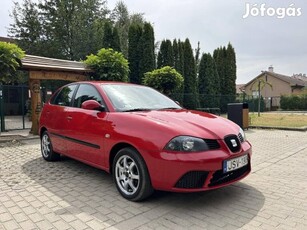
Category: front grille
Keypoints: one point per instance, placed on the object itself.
(233, 143)
(241, 138)
(219, 177)
(193, 179)
(212, 144)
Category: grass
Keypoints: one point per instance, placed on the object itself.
(278, 120)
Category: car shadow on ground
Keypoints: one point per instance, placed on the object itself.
(76, 188)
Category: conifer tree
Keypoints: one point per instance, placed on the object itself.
(208, 82)
(190, 99)
(120, 16)
(165, 54)
(116, 40)
(147, 45)
(232, 69)
(107, 40)
(225, 60)
(134, 51)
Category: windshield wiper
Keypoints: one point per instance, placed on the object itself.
(137, 109)
(173, 108)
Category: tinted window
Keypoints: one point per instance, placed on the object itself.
(84, 93)
(64, 97)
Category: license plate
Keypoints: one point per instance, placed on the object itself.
(235, 163)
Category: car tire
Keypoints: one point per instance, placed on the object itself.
(131, 176)
(46, 148)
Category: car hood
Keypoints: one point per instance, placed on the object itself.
(194, 123)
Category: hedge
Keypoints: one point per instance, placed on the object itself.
(293, 102)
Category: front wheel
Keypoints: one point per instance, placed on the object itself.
(46, 148)
(131, 176)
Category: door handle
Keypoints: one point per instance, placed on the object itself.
(69, 118)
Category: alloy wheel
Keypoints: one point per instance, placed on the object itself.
(127, 175)
(46, 146)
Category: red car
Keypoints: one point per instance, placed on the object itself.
(143, 138)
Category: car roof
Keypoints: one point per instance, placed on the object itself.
(106, 83)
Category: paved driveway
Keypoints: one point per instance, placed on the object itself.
(35, 194)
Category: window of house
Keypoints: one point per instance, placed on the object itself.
(255, 94)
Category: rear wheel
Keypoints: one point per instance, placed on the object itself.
(131, 176)
(46, 148)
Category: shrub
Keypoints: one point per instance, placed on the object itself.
(166, 80)
(293, 102)
(10, 56)
(109, 65)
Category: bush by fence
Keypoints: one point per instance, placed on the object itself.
(220, 101)
(293, 102)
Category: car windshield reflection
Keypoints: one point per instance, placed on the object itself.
(129, 98)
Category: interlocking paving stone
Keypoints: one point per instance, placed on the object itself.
(35, 194)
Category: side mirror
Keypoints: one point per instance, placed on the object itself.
(93, 105)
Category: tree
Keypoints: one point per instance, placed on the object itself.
(10, 60)
(197, 56)
(121, 18)
(27, 28)
(147, 45)
(260, 84)
(217, 85)
(231, 69)
(208, 83)
(116, 40)
(176, 54)
(134, 52)
(225, 59)
(110, 36)
(137, 18)
(190, 99)
(56, 28)
(166, 80)
(109, 65)
(165, 54)
(107, 40)
(178, 64)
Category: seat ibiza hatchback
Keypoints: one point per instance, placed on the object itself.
(143, 138)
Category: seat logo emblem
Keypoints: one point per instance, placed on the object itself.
(234, 143)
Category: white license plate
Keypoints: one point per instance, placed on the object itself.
(235, 163)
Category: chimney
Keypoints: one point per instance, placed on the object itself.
(271, 69)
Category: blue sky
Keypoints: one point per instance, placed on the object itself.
(273, 33)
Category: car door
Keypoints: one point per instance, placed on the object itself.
(87, 128)
(57, 117)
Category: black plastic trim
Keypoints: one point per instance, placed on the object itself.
(77, 141)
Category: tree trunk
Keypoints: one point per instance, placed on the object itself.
(259, 97)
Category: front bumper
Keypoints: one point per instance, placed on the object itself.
(192, 172)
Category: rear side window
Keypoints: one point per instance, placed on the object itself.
(64, 97)
(86, 92)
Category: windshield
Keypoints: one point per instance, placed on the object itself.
(137, 98)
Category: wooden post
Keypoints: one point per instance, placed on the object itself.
(35, 104)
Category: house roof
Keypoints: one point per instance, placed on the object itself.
(6, 39)
(291, 80)
(239, 88)
(31, 62)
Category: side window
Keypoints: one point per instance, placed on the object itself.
(86, 92)
(64, 97)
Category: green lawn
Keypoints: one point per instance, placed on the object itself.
(278, 119)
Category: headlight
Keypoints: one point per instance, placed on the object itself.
(187, 144)
(242, 135)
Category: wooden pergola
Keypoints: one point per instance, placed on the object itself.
(42, 68)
